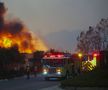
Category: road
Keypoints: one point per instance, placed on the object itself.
(34, 83)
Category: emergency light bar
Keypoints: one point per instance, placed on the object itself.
(55, 57)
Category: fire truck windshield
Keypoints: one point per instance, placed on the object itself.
(53, 62)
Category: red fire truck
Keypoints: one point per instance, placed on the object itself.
(54, 65)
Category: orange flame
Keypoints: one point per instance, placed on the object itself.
(25, 44)
(14, 33)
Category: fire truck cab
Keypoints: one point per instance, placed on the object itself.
(56, 66)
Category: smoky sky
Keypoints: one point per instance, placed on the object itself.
(44, 17)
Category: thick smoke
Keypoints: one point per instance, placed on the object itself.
(2, 12)
(16, 29)
(13, 27)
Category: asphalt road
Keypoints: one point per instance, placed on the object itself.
(34, 83)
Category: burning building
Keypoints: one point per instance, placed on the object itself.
(15, 33)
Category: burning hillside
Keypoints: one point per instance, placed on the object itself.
(14, 33)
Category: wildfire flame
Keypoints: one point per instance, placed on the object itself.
(14, 33)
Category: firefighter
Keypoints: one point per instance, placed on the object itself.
(28, 72)
(35, 71)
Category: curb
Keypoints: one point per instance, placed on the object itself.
(52, 88)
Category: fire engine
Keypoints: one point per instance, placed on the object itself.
(56, 65)
(64, 65)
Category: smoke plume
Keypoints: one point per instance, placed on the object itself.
(15, 33)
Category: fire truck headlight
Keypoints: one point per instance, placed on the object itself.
(45, 72)
(59, 71)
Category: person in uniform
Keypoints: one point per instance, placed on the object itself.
(28, 72)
